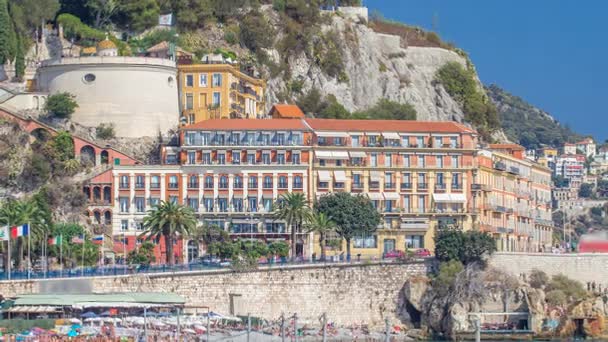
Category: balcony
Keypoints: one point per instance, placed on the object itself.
(124, 185)
(414, 226)
(193, 185)
(514, 170)
(456, 186)
(440, 186)
(358, 186)
(423, 186)
(406, 186)
(154, 186)
(389, 185)
(500, 166)
(374, 185)
(480, 187)
(139, 185)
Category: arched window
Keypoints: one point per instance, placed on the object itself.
(209, 182)
(267, 182)
(223, 182)
(282, 182)
(193, 181)
(238, 182)
(253, 182)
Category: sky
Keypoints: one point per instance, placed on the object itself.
(551, 53)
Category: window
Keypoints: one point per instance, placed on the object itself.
(223, 182)
(222, 204)
(295, 158)
(419, 141)
(406, 181)
(193, 182)
(189, 101)
(155, 182)
(265, 139)
(280, 139)
(124, 182)
(388, 160)
(421, 204)
(456, 182)
(338, 162)
(281, 158)
(154, 201)
(124, 204)
(191, 118)
(438, 142)
(406, 161)
(139, 182)
(297, 182)
(422, 180)
(173, 182)
(405, 141)
(202, 80)
(217, 80)
(439, 177)
(252, 203)
(414, 241)
(253, 182)
(454, 161)
(282, 182)
(388, 206)
(321, 141)
(368, 240)
(208, 204)
(421, 162)
(236, 157)
(355, 141)
(221, 158)
(407, 206)
(238, 182)
(140, 204)
(374, 160)
(193, 203)
(251, 158)
(237, 204)
(267, 182)
(191, 157)
(171, 159)
(266, 158)
(206, 158)
(173, 199)
(124, 225)
(372, 140)
(453, 142)
(356, 180)
(189, 80)
(439, 161)
(217, 99)
(268, 204)
(139, 225)
(209, 182)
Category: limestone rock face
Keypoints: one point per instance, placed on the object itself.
(378, 66)
(414, 291)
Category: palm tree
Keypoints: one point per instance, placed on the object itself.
(292, 208)
(16, 213)
(169, 220)
(322, 224)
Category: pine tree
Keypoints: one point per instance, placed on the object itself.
(19, 60)
(6, 34)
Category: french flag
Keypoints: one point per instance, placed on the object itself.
(17, 231)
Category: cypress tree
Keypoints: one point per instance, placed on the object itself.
(6, 34)
(19, 60)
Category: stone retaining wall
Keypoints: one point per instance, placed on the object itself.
(349, 294)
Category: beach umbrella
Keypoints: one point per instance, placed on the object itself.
(106, 314)
(89, 314)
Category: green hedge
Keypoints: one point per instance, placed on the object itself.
(15, 326)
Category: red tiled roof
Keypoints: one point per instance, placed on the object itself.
(388, 125)
(287, 111)
(506, 146)
(569, 144)
(585, 141)
(247, 124)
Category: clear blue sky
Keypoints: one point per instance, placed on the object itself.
(553, 54)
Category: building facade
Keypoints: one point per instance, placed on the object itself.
(421, 176)
(571, 167)
(218, 91)
(512, 199)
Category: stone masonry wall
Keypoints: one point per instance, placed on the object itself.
(349, 294)
(582, 267)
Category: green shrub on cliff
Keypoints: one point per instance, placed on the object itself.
(465, 247)
(444, 280)
(538, 279)
(61, 105)
(572, 289)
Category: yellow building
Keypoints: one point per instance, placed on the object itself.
(218, 91)
(512, 199)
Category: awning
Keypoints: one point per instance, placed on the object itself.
(34, 309)
(375, 196)
(340, 176)
(340, 155)
(372, 134)
(391, 196)
(391, 135)
(332, 134)
(324, 176)
(323, 154)
(358, 154)
(376, 176)
(449, 198)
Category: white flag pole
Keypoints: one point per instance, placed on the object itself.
(61, 256)
(9, 253)
(29, 252)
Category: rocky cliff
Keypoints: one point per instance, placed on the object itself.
(377, 66)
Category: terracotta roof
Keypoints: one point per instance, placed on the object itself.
(506, 146)
(569, 144)
(247, 124)
(388, 125)
(106, 44)
(162, 46)
(88, 50)
(287, 111)
(585, 141)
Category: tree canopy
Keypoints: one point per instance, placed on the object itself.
(352, 214)
(466, 247)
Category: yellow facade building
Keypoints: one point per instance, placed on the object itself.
(219, 91)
